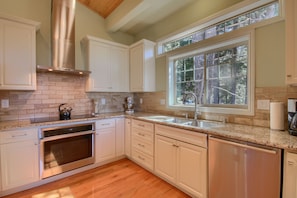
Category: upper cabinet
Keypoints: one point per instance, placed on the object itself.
(109, 65)
(142, 66)
(17, 53)
(291, 42)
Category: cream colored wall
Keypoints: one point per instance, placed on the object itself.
(270, 55)
(190, 14)
(87, 22)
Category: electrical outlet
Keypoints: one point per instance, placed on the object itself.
(103, 101)
(4, 103)
(140, 101)
(263, 104)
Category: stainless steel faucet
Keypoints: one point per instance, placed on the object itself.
(196, 100)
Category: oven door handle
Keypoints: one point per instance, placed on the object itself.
(57, 137)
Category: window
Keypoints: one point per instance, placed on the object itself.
(228, 24)
(218, 74)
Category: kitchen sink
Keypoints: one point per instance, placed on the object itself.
(184, 121)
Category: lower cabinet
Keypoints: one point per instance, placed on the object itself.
(109, 140)
(181, 159)
(128, 137)
(142, 144)
(19, 158)
(105, 145)
(290, 175)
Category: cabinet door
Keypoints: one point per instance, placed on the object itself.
(19, 164)
(192, 169)
(18, 59)
(105, 145)
(120, 137)
(119, 63)
(165, 158)
(290, 176)
(136, 68)
(100, 78)
(128, 137)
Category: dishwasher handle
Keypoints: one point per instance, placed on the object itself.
(266, 150)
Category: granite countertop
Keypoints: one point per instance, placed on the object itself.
(258, 135)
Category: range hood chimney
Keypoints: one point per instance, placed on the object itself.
(63, 39)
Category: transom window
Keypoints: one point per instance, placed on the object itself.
(259, 14)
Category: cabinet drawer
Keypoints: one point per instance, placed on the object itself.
(144, 146)
(148, 136)
(143, 159)
(191, 137)
(18, 135)
(145, 126)
(105, 123)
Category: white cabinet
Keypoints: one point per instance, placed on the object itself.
(17, 54)
(290, 175)
(109, 140)
(19, 158)
(291, 41)
(128, 137)
(142, 66)
(120, 137)
(142, 144)
(109, 65)
(181, 159)
(105, 148)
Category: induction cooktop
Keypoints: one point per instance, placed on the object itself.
(54, 119)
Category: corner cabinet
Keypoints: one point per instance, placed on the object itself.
(109, 65)
(17, 53)
(142, 66)
(291, 41)
(181, 159)
(19, 157)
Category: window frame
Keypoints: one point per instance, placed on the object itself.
(207, 45)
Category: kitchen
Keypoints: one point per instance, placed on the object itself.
(52, 90)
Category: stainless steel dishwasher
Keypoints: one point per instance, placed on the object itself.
(243, 170)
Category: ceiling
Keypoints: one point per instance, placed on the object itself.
(133, 16)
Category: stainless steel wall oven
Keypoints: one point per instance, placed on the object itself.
(66, 147)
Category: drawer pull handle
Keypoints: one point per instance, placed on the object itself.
(141, 145)
(106, 124)
(141, 134)
(290, 163)
(20, 135)
(141, 125)
(143, 159)
(175, 145)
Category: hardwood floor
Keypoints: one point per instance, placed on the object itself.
(119, 179)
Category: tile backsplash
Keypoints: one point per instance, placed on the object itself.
(52, 90)
(152, 103)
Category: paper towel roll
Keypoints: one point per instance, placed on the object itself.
(277, 116)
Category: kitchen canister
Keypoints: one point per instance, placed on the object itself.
(277, 112)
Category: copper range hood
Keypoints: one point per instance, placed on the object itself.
(63, 39)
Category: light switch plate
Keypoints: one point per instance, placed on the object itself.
(162, 102)
(4, 103)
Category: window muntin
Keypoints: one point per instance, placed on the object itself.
(217, 77)
(260, 14)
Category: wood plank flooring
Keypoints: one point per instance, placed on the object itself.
(118, 179)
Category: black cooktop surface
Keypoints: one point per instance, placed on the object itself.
(53, 119)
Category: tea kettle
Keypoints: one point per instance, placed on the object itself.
(65, 112)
